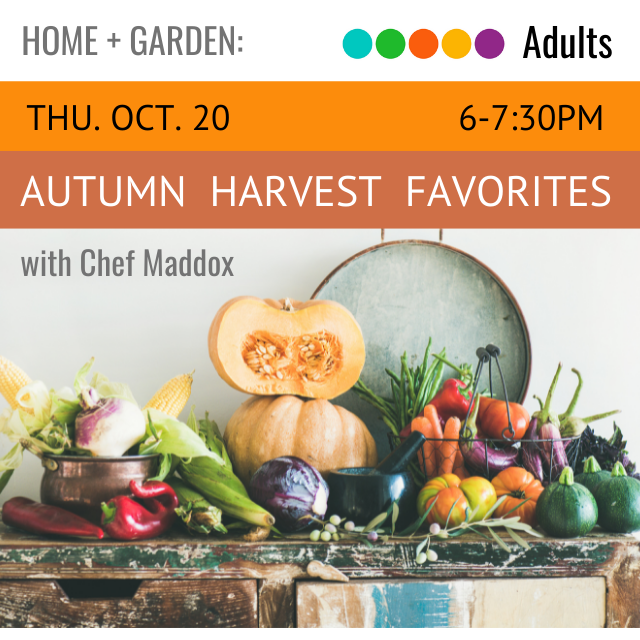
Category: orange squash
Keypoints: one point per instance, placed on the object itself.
(312, 349)
(518, 485)
(324, 435)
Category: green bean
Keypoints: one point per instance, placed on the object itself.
(407, 371)
(394, 375)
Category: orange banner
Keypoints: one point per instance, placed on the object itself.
(381, 189)
(313, 116)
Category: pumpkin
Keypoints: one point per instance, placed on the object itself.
(311, 349)
(324, 435)
(517, 484)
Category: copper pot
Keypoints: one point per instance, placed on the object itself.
(81, 484)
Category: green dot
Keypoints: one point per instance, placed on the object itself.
(390, 43)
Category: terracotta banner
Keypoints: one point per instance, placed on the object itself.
(312, 116)
(319, 189)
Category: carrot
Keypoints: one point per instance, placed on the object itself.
(424, 426)
(462, 473)
(431, 414)
(458, 466)
(448, 449)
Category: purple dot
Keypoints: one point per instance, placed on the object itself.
(489, 43)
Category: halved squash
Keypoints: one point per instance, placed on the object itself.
(312, 349)
(324, 435)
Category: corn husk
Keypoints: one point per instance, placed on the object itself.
(223, 489)
(195, 510)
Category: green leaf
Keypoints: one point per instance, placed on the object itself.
(152, 429)
(412, 528)
(164, 468)
(477, 532)
(500, 500)
(521, 526)
(394, 517)
(80, 380)
(421, 546)
(4, 478)
(378, 520)
(108, 389)
(497, 538)
(518, 539)
(446, 524)
(192, 423)
(210, 433)
(176, 438)
(499, 522)
(63, 411)
(516, 507)
(473, 513)
(12, 460)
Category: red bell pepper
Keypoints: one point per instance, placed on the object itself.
(45, 519)
(148, 517)
(451, 401)
(454, 397)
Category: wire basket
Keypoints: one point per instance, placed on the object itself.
(431, 457)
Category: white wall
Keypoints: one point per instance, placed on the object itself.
(579, 291)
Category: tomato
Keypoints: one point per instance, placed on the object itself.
(433, 487)
(479, 493)
(492, 418)
(518, 484)
(449, 490)
(448, 500)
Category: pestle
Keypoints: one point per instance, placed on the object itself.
(399, 458)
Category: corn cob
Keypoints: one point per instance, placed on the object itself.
(12, 379)
(223, 489)
(172, 397)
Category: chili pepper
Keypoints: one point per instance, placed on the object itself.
(44, 519)
(151, 515)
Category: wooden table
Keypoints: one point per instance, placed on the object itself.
(178, 580)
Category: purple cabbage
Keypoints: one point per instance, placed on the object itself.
(291, 490)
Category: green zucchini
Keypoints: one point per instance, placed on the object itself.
(592, 475)
(618, 500)
(566, 509)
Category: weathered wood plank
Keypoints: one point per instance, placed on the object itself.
(623, 586)
(177, 555)
(157, 603)
(555, 602)
(277, 603)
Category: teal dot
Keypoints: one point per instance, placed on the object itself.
(357, 44)
(390, 43)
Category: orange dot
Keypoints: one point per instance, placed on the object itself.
(423, 43)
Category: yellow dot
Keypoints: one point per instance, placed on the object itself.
(456, 43)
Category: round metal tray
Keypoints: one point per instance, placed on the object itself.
(404, 292)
